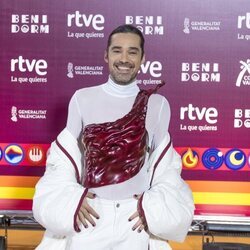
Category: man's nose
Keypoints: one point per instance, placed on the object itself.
(124, 57)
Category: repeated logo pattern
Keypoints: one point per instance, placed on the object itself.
(52, 48)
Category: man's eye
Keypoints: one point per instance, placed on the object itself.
(116, 51)
(133, 52)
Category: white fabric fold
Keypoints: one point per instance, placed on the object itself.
(168, 204)
(58, 193)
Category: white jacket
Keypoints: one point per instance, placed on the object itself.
(167, 206)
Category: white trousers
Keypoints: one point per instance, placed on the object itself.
(113, 231)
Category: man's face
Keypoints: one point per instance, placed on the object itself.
(124, 57)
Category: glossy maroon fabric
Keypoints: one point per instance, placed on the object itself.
(115, 151)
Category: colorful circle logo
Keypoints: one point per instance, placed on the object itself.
(13, 154)
(212, 158)
(35, 154)
(235, 159)
(190, 158)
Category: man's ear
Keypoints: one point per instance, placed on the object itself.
(106, 56)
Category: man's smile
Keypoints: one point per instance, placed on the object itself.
(123, 68)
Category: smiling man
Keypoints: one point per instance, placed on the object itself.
(112, 180)
(124, 56)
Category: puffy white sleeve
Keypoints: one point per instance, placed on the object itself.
(168, 206)
(59, 194)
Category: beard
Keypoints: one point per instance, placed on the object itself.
(123, 73)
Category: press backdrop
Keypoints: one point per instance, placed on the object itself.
(201, 49)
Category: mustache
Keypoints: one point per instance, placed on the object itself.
(126, 64)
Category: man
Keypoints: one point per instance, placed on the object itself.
(112, 180)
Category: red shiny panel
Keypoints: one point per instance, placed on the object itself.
(115, 151)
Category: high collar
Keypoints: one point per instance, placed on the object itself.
(115, 89)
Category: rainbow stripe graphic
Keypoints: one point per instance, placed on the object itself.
(21, 166)
(219, 179)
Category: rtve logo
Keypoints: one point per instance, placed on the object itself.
(39, 66)
(195, 113)
(244, 20)
(154, 68)
(82, 20)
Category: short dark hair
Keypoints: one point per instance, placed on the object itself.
(127, 28)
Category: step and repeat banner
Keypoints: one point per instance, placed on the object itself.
(201, 49)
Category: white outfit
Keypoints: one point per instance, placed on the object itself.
(107, 103)
(167, 202)
(114, 222)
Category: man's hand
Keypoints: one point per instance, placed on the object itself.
(86, 212)
(139, 225)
